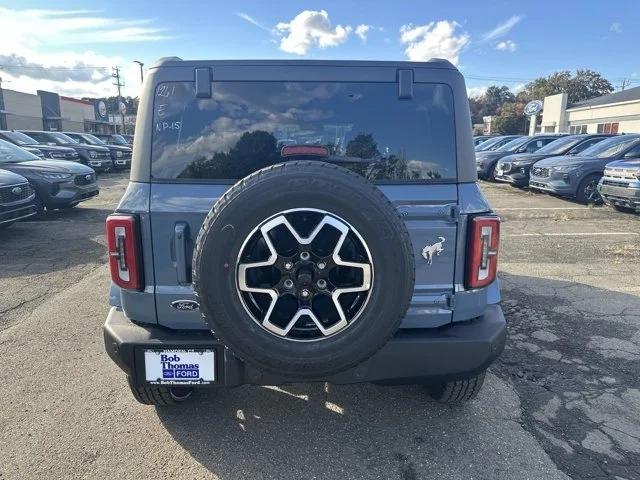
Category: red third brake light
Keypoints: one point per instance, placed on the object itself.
(484, 240)
(123, 245)
(313, 150)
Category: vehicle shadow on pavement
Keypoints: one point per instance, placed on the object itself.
(354, 431)
(573, 354)
(53, 241)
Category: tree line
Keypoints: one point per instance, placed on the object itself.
(507, 107)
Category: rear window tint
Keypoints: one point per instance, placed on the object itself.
(246, 126)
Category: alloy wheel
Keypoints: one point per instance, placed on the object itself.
(304, 274)
(590, 191)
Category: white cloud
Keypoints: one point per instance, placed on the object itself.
(616, 27)
(310, 29)
(476, 91)
(362, 31)
(507, 45)
(39, 50)
(433, 40)
(502, 29)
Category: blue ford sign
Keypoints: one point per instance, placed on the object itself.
(533, 107)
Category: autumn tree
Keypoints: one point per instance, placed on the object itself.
(585, 84)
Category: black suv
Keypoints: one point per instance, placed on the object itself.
(318, 221)
(486, 161)
(495, 142)
(120, 155)
(30, 144)
(17, 197)
(58, 183)
(95, 156)
(514, 169)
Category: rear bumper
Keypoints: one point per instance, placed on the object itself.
(412, 356)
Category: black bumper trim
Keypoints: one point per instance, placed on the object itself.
(10, 216)
(447, 353)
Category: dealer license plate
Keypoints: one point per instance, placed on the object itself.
(175, 367)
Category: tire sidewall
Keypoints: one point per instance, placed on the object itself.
(392, 284)
(581, 194)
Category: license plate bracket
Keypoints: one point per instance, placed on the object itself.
(180, 366)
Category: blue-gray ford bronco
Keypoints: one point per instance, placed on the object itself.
(303, 221)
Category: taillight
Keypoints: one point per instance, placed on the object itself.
(482, 261)
(123, 243)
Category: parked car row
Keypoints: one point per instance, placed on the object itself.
(29, 184)
(102, 153)
(591, 168)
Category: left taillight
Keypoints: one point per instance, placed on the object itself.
(482, 254)
(123, 244)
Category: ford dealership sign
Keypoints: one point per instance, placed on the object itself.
(533, 107)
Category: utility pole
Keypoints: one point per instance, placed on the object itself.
(116, 75)
(140, 64)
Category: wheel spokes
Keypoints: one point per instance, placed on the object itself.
(305, 290)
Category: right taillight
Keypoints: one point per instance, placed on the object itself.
(123, 243)
(482, 260)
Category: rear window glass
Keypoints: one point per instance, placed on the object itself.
(246, 126)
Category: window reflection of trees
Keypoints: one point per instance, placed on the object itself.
(258, 149)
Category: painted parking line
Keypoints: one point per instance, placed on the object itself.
(568, 234)
(542, 208)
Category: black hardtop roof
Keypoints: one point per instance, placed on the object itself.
(178, 62)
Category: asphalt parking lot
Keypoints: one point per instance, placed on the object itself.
(564, 399)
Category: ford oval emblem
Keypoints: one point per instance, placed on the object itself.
(16, 190)
(185, 305)
(533, 107)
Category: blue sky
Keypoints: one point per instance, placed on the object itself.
(503, 42)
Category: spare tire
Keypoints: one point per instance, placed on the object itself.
(304, 269)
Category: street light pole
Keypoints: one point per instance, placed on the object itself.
(140, 64)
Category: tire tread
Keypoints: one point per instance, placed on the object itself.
(458, 391)
(151, 395)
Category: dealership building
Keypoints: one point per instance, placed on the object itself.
(617, 112)
(53, 112)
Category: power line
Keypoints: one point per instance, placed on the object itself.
(42, 67)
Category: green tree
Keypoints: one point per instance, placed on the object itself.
(494, 98)
(511, 120)
(588, 84)
(585, 84)
(476, 105)
(363, 145)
